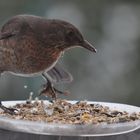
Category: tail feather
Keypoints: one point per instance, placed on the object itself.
(59, 75)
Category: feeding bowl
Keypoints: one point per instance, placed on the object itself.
(43, 128)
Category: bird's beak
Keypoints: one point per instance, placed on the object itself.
(88, 46)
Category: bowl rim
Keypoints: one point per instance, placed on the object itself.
(43, 128)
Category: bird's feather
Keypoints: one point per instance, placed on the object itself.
(59, 75)
(6, 35)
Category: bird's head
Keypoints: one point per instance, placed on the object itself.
(73, 38)
(53, 31)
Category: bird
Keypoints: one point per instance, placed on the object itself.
(32, 45)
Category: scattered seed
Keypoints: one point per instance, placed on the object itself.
(62, 111)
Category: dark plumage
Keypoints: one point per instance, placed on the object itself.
(32, 45)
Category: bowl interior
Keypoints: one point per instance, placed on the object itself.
(72, 130)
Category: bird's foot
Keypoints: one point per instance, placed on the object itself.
(50, 91)
(10, 111)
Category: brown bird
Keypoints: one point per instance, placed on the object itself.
(31, 45)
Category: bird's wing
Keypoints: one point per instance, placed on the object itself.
(6, 35)
(59, 75)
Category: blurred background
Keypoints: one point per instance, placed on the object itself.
(112, 74)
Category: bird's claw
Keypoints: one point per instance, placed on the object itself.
(49, 91)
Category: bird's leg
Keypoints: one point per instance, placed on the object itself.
(8, 110)
(49, 90)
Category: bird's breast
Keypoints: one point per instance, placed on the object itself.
(34, 63)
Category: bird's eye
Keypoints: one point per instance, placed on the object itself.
(70, 33)
(70, 36)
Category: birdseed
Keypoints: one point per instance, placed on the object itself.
(62, 111)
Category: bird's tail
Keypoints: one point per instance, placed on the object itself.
(58, 75)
